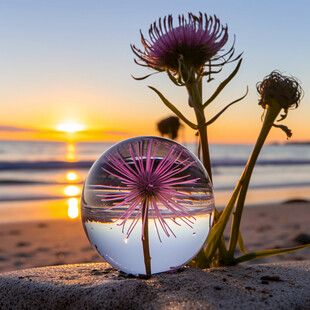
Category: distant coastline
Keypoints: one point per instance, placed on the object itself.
(301, 143)
(298, 143)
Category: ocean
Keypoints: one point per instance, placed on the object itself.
(34, 173)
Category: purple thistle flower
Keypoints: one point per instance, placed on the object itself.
(148, 183)
(195, 42)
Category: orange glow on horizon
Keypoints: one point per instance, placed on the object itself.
(226, 130)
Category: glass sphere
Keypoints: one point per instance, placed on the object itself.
(147, 205)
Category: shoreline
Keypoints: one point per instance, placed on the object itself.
(50, 207)
(48, 242)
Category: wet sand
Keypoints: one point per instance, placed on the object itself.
(60, 241)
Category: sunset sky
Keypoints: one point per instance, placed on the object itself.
(69, 61)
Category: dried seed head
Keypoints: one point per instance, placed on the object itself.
(284, 90)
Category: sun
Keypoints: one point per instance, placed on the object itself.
(70, 127)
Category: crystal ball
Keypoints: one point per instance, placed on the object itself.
(147, 205)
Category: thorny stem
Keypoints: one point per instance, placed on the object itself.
(272, 113)
(145, 238)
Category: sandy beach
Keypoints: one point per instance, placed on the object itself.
(59, 241)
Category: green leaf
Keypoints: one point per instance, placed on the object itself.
(212, 120)
(222, 248)
(199, 261)
(217, 230)
(143, 77)
(174, 109)
(174, 80)
(266, 253)
(208, 73)
(223, 84)
(241, 244)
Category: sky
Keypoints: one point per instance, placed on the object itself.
(69, 61)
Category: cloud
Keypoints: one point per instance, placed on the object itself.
(16, 129)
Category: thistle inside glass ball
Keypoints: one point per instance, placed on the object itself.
(147, 205)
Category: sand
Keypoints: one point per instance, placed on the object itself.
(57, 242)
(98, 286)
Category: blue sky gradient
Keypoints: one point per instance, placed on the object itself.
(71, 61)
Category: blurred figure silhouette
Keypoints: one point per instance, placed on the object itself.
(169, 126)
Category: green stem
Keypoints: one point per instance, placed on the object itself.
(145, 239)
(203, 138)
(272, 113)
(195, 98)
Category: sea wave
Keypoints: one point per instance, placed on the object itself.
(12, 181)
(29, 196)
(45, 165)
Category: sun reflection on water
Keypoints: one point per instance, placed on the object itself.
(71, 176)
(73, 208)
(71, 152)
(72, 190)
